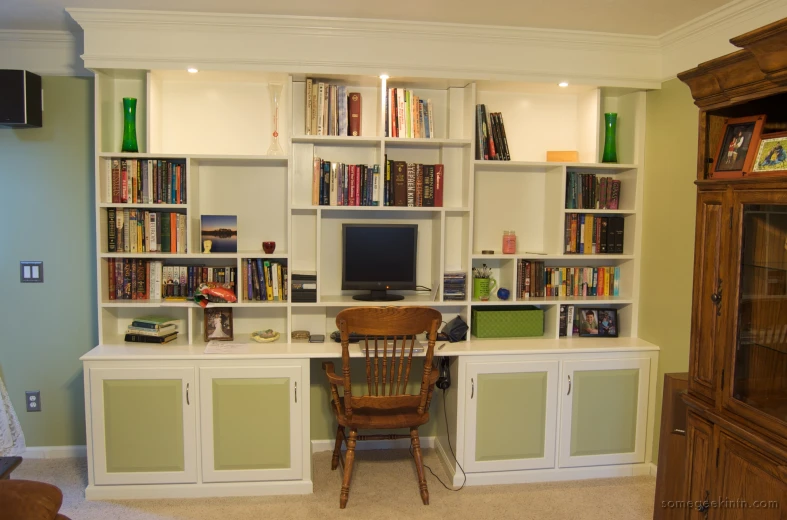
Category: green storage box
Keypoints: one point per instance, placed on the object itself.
(507, 322)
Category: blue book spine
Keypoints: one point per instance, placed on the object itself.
(342, 102)
(582, 234)
(261, 276)
(249, 281)
(326, 183)
(345, 185)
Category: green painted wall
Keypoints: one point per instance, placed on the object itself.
(668, 229)
(46, 202)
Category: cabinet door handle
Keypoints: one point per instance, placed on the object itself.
(296, 391)
(716, 298)
(472, 388)
(187, 394)
(569, 385)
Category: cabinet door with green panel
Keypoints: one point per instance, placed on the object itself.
(604, 411)
(251, 422)
(511, 415)
(143, 425)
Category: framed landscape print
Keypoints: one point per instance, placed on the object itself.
(736, 149)
(771, 154)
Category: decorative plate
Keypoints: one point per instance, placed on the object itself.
(265, 336)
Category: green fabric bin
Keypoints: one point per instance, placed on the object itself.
(507, 322)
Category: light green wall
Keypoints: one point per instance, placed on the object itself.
(46, 203)
(668, 229)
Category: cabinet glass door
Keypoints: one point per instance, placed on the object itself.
(760, 367)
(511, 415)
(251, 423)
(604, 412)
(143, 425)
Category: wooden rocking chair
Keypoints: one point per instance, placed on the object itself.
(386, 405)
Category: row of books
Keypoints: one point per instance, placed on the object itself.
(140, 279)
(152, 329)
(491, 143)
(534, 279)
(588, 191)
(593, 234)
(141, 231)
(304, 287)
(407, 115)
(265, 280)
(403, 184)
(147, 181)
(454, 285)
(331, 109)
(339, 184)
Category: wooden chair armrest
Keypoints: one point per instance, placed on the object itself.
(329, 372)
(434, 375)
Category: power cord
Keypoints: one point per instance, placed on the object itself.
(448, 433)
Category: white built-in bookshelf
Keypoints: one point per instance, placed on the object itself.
(220, 125)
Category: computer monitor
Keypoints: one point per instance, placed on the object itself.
(379, 257)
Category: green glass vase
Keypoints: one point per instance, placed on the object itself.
(129, 125)
(610, 138)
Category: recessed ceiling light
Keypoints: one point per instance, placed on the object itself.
(563, 84)
(383, 76)
(193, 70)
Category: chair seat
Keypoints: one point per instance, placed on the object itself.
(367, 418)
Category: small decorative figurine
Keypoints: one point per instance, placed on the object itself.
(503, 293)
(206, 245)
(269, 247)
(265, 336)
(215, 290)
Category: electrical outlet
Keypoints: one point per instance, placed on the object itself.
(33, 400)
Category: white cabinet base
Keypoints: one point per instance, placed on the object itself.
(235, 489)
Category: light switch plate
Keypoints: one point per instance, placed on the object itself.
(31, 271)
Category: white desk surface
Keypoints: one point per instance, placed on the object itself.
(179, 349)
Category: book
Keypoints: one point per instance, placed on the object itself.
(410, 183)
(400, 183)
(428, 185)
(354, 112)
(153, 321)
(143, 338)
(111, 230)
(438, 185)
(419, 185)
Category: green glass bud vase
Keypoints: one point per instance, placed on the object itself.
(610, 138)
(129, 125)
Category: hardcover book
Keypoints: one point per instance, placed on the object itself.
(438, 185)
(354, 109)
(400, 183)
(411, 184)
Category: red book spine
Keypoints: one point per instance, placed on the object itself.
(115, 181)
(173, 230)
(357, 185)
(133, 286)
(351, 181)
(354, 113)
(438, 185)
(111, 278)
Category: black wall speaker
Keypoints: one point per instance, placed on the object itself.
(21, 99)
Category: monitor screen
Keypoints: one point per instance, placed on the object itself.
(379, 256)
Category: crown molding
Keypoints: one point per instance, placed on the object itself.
(51, 53)
(708, 36)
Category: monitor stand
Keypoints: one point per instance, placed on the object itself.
(378, 296)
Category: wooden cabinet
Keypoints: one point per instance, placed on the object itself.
(737, 428)
(511, 415)
(251, 423)
(710, 250)
(604, 406)
(143, 425)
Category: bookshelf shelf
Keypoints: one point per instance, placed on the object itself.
(228, 173)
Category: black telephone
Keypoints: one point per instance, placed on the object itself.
(444, 381)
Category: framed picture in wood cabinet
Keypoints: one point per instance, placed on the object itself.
(771, 154)
(737, 147)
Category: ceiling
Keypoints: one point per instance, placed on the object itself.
(641, 17)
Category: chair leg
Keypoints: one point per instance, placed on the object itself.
(348, 468)
(337, 450)
(419, 465)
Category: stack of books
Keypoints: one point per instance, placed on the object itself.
(491, 143)
(146, 181)
(587, 191)
(304, 286)
(143, 231)
(534, 279)
(331, 110)
(339, 184)
(593, 234)
(454, 285)
(152, 329)
(413, 185)
(141, 279)
(264, 280)
(407, 115)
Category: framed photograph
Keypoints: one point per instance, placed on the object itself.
(219, 233)
(771, 154)
(218, 323)
(598, 323)
(736, 150)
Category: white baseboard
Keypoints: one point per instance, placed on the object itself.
(231, 489)
(388, 444)
(553, 475)
(54, 452)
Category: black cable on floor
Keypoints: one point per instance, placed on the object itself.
(448, 434)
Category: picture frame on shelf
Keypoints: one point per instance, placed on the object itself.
(771, 154)
(219, 233)
(598, 322)
(736, 150)
(217, 324)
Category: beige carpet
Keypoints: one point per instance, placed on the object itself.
(384, 486)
